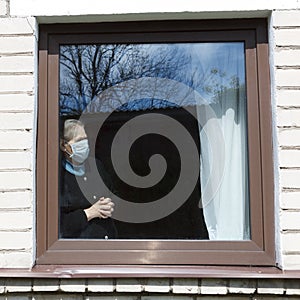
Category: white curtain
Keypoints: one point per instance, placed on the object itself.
(224, 165)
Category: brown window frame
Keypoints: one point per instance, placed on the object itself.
(260, 250)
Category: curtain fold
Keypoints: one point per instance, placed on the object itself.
(224, 163)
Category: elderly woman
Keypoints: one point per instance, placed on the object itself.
(81, 215)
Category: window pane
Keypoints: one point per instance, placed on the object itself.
(164, 125)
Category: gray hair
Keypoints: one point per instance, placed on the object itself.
(70, 126)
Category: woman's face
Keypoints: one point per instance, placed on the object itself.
(79, 134)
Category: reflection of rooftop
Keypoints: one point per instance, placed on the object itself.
(121, 116)
(186, 115)
(136, 105)
(145, 104)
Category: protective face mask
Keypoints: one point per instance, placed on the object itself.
(80, 151)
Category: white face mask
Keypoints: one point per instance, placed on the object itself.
(80, 151)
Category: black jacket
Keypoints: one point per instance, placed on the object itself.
(73, 220)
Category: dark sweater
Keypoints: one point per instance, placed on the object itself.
(73, 220)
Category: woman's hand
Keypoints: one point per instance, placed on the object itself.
(103, 208)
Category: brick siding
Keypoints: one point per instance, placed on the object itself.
(17, 147)
(287, 79)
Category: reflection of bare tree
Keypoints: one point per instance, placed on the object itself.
(86, 71)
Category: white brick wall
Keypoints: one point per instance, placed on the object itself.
(157, 285)
(11, 200)
(16, 240)
(17, 26)
(3, 7)
(68, 288)
(242, 286)
(17, 135)
(11, 45)
(17, 99)
(288, 117)
(16, 83)
(213, 286)
(185, 286)
(93, 7)
(289, 242)
(17, 44)
(291, 261)
(19, 220)
(15, 180)
(271, 286)
(102, 285)
(16, 102)
(16, 140)
(17, 63)
(287, 64)
(129, 285)
(287, 37)
(73, 285)
(45, 285)
(290, 178)
(16, 120)
(287, 57)
(15, 160)
(290, 200)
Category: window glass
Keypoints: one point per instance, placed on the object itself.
(153, 141)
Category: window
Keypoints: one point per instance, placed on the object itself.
(176, 116)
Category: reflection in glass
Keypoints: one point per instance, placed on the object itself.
(201, 86)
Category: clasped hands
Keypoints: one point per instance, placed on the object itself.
(103, 208)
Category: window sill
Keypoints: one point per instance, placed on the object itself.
(134, 271)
